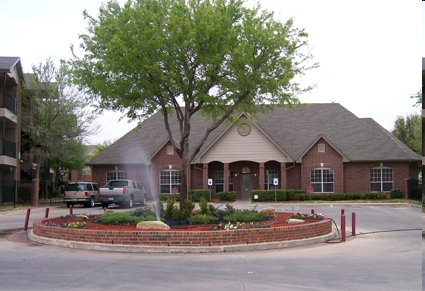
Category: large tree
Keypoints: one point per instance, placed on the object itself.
(185, 56)
(56, 119)
(409, 130)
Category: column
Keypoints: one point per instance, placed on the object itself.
(204, 176)
(283, 178)
(226, 177)
(261, 177)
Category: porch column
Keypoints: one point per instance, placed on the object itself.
(261, 178)
(226, 177)
(204, 176)
(283, 178)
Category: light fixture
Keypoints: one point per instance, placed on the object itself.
(170, 166)
(322, 164)
(116, 168)
(236, 175)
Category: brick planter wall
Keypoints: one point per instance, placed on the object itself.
(186, 238)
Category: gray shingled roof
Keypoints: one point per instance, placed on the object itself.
(358, 139)
(8, 62)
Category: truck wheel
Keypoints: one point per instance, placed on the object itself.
(91, 202)
(130, 202)
(143, 202)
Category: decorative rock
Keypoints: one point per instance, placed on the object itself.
(107, 210)
(152, 225)
(81, 218)
(270, 211)
(295, 221)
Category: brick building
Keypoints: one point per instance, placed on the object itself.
(320, 145)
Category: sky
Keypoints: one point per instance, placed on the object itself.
(369, 51)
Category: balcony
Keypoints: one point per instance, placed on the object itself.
(7, 101)
(7, 148)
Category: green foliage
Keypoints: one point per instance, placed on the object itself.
(396, 193)
(229, 209)
(143, 212)
(197, 194)
(201, 219)
(409, 131)
(203, 205)
(245, 216)
(123, 218)
(170, 206)
(227, 196)
(60, 119)
(184, 57)
(269, 195)
(418, 97)
(188, 208)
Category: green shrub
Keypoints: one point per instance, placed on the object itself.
(227, 196)
(294, 194)
(229, 209)
(203, 205)
(188, 207)
(381, 195)
(196, 194)
(396, 193)
(371, 196)
(123, 218)
(245, 216)
(202, 219)
(269, 195)
(337, 196)
(170, 206)
(143, 212)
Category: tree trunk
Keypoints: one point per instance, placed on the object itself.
(183, 185)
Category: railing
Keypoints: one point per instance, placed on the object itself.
(8, 102)
(7, 190)
(7, 148)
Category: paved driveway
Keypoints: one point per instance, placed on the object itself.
(385, 255)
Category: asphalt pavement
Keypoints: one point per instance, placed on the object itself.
(384, 255)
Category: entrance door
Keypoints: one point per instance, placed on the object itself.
(246, 186)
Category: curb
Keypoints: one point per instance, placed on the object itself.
(191, 250)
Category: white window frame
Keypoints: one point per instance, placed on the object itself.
(116, 175)
(326, 177)
(170, 178)
(381, 176)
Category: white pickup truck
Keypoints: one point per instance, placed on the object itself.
(123, 193)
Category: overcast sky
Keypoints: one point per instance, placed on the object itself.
(369, 51)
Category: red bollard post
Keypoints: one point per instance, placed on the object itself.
(46, 214)
(343, 227)
(27, 219)
(71, 210)
(342, 211)
(312, 211)
(353, 224)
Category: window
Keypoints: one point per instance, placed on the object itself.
(115, 175)
(322, 180)
(168, 180)
(321, 147)
(381, 179)
(86, 171)
(170, 150)
(219, 181)
(269, 175)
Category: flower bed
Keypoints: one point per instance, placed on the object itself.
(204, 235)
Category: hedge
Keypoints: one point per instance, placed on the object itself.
(300, 195)
(227, 196)
(396, 193)
(196, 194)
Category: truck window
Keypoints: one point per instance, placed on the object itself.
(117, 184)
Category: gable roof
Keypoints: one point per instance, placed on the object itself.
(8, 62)
(294, 131)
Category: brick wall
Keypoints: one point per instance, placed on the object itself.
(330, 158)
(186, 238)
(357, 175)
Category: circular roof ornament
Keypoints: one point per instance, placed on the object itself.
(244, 129)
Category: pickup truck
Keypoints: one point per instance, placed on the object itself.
(123, 193)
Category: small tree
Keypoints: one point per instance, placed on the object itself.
(409, 130)
(55, 119)
(181, 57)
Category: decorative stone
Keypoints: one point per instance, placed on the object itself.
(270, 211)
(81, 218)
(295, 221)
(152, 225)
